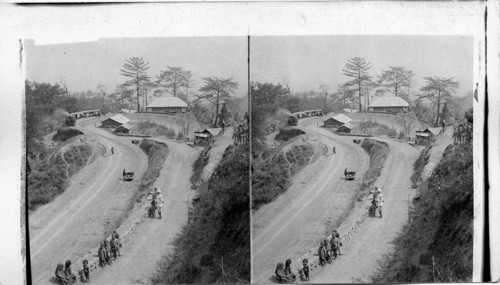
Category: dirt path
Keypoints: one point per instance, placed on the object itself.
(153, 238)
(299, 219)
(216, 152)
(78, 219)
(372, 237)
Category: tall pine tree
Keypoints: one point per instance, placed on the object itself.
(135, 68)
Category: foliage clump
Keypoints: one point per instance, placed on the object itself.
(378, 152)
(50, 177)
(273, 171)
(286, 134)
(437, 244)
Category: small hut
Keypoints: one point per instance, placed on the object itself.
(336, 121)
(124, 129)
(345, 128)
(114, 122)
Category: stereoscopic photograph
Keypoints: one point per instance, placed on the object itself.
(362, 158)
(138, 161)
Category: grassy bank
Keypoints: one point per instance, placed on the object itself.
(273, 171)
(378, 152)
(157, 153)
(419, 165)
(214, 247)
(437, 244)
(154, 129)
(50, 177)
(376, 129)
(199, 165)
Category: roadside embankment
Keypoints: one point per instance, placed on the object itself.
(378, 152)
(437, 244)
(273, 169)
(214, 246)
(50, 177)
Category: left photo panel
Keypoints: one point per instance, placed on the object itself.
(137, 154)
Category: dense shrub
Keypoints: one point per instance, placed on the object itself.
(214, 247)
(273, 170)
(437, 244)
(199, 165)
(64, 134)
(157, 154)
(378, 152)
(376, 129)
(286, 134)
(154, 129)
(49, 178)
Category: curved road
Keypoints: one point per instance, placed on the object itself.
(290, 233)
(372, 238)
(79, 219)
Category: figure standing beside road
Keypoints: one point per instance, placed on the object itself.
(159, 202)
(333, 150)
(380, 201)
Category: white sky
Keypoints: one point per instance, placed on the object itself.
(309, 61)
(85, 65)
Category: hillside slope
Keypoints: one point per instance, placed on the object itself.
(437, 244)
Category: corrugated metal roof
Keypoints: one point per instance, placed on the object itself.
(214, 131)
(120, 119)
(342, 118)
(162, 102)
(389, 101)
(126, 126)
(434, 131)
(202, 135)
(347, 125)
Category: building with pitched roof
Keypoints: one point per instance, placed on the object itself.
(171, 105)
(336, 121)
(114, 122)
(389, 104)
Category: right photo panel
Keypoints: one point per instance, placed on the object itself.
(362, 158)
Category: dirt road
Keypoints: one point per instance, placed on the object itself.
(79, 218)
(372, 237)
(153, 237)
(300, 218)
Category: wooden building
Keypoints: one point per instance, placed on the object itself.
(336, 121)
(114, 122)
(390, 104)
(169, 105)
(345, 128)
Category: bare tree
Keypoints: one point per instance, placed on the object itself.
(185, 121)
(215, 91)
(173, 79)
(135, 68)
(102, 88)
(408, 121)
(357, 68)
(438, 89)
(324, 95)
(395, 79)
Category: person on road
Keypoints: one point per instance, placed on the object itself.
(159, 202)
(117, 237)
(107, 250)
(380, 201)
(345, 172)
(101, 252)
(321, 254)
(115, 245)
(85, 273)
(68, 273)
(112, 150)
(333, 150)
(60, 276)
(305, 269)
(280, 274)
(334, 243)
(288, 270)
(328, 256)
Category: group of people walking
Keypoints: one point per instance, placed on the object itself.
(329, 250)
(156, 204)
(109, 250)
(377, 203)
